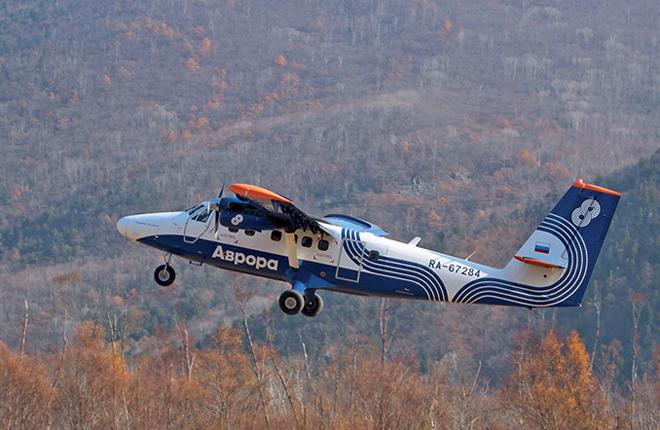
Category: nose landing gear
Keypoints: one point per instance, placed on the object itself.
(164, 274)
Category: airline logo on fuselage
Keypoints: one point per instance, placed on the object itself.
(247, 259)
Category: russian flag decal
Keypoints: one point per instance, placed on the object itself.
(543, 248)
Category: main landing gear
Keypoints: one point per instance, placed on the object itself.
(164, 274)
(293, 302)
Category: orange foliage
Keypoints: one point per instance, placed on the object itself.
(405, 148)
(186, 135)
(201, 122)
(232, 383)
(25, 392)
(281, 60)
(205, 46)
(434, 219)
(192, 64)
(447, 25)
(526, 158)
(171, 136)
(159, 28)
(125, 73)
(18, 191)
(94, 381)
(555, 388)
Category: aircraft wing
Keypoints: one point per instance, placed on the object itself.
(278, 208)
(281, 212)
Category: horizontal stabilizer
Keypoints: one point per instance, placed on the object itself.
(540, 263)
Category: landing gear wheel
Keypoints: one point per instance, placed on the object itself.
(164, 275)
(291, 302)
(313, 306)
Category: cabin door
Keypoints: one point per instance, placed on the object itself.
(196, 225)
(349, 263)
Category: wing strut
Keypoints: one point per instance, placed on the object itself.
(291, 250)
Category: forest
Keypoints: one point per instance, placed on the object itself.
(458, 121)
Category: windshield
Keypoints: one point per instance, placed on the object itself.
(200, 212)
(194, 209)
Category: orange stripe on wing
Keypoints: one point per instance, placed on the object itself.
(255, 192)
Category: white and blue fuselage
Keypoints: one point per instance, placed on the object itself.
(352, 256)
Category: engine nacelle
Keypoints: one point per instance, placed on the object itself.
(235, 213)
(244, 221)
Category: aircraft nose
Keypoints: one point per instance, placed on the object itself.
(126, 226)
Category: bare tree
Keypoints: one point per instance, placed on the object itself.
(24, 329)
(258, 367)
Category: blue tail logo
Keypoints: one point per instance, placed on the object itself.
(588, 210)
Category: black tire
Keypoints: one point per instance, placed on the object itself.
(313, 306)
(291, 302)
(164, 275)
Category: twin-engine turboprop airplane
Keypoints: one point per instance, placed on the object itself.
(263, 233)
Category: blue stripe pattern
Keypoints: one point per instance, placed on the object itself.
(401, 270)
(501, 291)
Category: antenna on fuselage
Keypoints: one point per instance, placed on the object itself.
(470, 256)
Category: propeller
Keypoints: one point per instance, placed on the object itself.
(216, 211)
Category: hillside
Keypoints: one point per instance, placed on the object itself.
(459, 121)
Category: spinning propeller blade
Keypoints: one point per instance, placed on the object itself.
(216, 214)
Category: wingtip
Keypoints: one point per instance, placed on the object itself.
(256, 192)
(583, 185)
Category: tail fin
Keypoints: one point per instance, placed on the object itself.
(564, 248)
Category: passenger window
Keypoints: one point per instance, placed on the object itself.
(295, 238)
(306, 241)
(373, 255)
(323, 245)
(249, 232)
(233, 229)
(276, 235)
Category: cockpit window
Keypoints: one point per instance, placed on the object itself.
(203, 215)
(199, 213)
(194, 209)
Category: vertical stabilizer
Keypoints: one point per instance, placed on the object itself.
(569, 239)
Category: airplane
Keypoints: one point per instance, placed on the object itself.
(262, 233)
